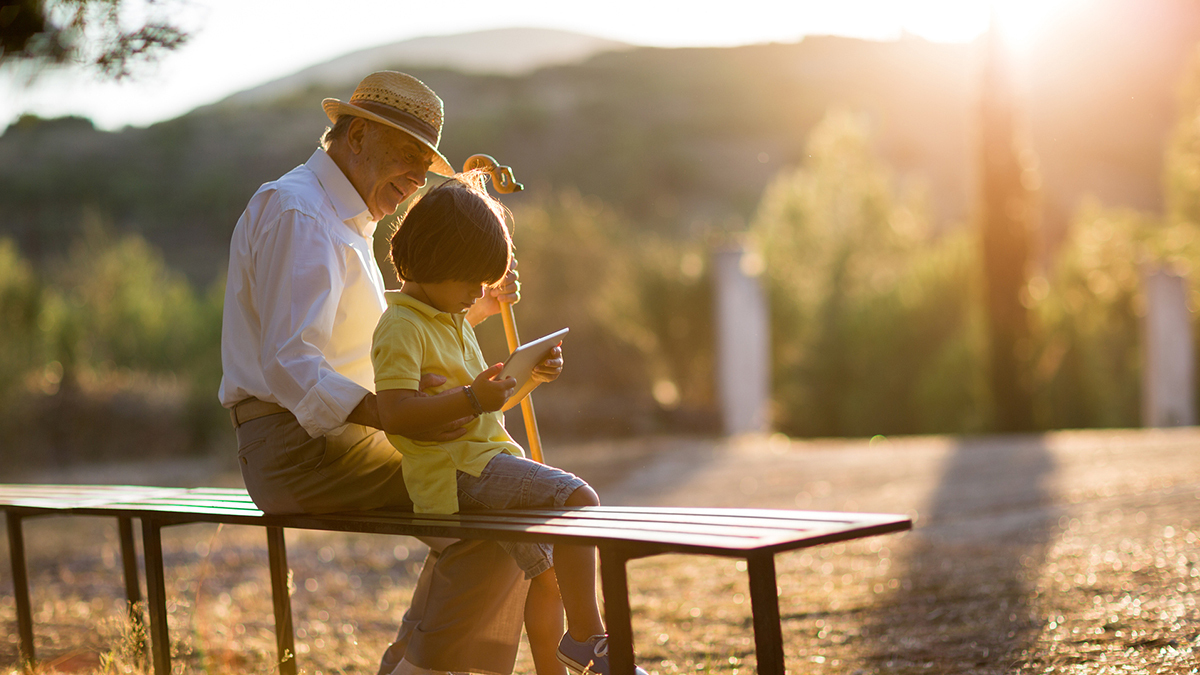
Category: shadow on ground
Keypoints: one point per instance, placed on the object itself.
(969, 577)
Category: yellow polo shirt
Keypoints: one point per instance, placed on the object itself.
(411, 339)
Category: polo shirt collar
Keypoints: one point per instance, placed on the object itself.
(347, 203)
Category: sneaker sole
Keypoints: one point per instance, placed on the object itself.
(571, 664)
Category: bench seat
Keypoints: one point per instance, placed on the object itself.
(620, 533)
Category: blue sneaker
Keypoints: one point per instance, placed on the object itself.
(589, 656)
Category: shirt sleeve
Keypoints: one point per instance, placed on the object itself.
(300, 276)
(396, 353)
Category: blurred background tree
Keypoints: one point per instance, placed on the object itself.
(92, 34)
(1087, 311)
(873, 326)
(1008, 220)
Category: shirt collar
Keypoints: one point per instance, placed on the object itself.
(347, 203)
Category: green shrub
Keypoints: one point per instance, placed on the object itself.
(874, 326)
(108, 354)
(20, 309)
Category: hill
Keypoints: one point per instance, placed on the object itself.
(677, 140)
(502, 51)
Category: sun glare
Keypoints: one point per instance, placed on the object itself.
(1022, 22)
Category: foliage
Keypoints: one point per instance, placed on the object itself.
(873, 325)
(640, 342)
(112, 339)
(20, 308)
(89, 33)
(114, 304)
(1088, 365)
(660, 304)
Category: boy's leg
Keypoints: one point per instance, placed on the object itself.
(575, 567)
(514, 482)
(544, 623)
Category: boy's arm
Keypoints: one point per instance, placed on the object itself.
(367, 413)
(405, 412)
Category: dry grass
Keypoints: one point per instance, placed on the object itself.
(1098, 571)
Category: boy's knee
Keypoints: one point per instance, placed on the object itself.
(583, 496)
(546, 581)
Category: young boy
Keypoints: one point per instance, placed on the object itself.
(451, 245)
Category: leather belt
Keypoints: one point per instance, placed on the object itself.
(252, 409)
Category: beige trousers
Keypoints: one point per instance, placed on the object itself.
(467, 609)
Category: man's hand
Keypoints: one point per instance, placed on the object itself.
(446, 432)
(443, 434)
(508, 291)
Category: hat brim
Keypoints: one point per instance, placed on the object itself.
(335, 108)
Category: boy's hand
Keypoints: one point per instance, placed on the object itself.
(490, 393)
(550, 367)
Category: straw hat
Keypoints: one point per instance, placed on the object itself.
(400, 101)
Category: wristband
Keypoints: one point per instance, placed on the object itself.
(474, 401)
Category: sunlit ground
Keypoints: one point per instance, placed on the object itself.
(1067, 553)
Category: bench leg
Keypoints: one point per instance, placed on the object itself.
(764, 605)
(133, 591)
(617, 617)
(156, 592)
(16, 555)
(284, 639)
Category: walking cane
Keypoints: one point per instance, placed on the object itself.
(502, 179)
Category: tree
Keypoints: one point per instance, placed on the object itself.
(872, 328)
(87, 33)
(1007, 220)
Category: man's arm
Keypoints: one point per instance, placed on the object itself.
(366, 412)
(299, 285)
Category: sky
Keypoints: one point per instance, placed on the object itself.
(239, 44)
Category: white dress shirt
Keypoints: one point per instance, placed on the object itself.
(302, 298)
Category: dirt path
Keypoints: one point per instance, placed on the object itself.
(1067, 552)
(1073, 552)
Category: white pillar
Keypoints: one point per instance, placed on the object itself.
(1167, 357)
(742, 341)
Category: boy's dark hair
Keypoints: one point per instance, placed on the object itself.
(454, 232)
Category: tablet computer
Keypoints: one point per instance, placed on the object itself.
(521, 362)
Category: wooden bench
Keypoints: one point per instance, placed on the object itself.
(619, 533)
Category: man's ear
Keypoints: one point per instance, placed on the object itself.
(356, 135)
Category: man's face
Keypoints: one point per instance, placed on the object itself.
(391, 166)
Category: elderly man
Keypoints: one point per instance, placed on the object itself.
(301, 302)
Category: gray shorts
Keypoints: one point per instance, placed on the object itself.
(509, 482)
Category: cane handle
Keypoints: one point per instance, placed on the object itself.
(502, 176)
